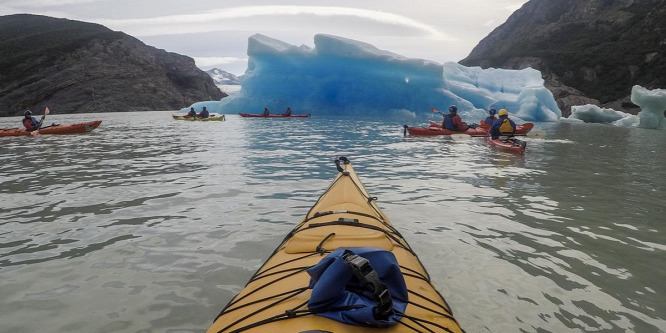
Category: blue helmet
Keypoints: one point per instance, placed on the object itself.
(27, 113)
(453, 109)
(492, 111)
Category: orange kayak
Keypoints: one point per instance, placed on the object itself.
(57, 129)
(438, 130)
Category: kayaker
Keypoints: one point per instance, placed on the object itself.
(266, 112)
(30, 123)
(502, 126)
(491, 118)
(204, 113)
(452, 121)
(288, 112)
(192, 113)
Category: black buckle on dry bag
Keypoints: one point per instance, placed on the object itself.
(370, 281)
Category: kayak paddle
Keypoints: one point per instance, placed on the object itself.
(36, 132)
(536, 134)
(460, 137)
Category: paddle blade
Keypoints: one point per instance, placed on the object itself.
(536, 134)
(461, 137)
(434, 110)
(34, 133)
(47, 111)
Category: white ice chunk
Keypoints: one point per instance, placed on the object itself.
(653, 107)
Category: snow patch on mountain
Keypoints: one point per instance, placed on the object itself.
(223, 78)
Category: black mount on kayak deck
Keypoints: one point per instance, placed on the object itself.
(337, 162)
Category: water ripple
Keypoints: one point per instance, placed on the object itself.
(165, 221)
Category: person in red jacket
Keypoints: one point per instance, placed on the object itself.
(288, 112)
(204, 113)
(30, 123)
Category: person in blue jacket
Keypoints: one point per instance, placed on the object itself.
(30, 123)
(502, 126)
(491, 118)
(452, 121)
(192, 113)
(204, 113)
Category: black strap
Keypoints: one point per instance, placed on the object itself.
(370, 281)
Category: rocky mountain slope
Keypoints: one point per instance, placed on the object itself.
(589, 51)
(221, 77)
(75, 67)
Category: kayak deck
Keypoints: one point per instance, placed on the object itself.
(275, 299)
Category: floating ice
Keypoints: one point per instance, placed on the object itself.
(341, 76)
(652, 114)
(653, 107)
(593, 114)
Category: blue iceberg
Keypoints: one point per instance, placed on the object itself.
(340, 76)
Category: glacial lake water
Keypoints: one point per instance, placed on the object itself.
(152, 225)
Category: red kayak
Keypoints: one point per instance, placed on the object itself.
(520, 129)
(260, 115)
(56, 129)
(511, 145)
(438, 130)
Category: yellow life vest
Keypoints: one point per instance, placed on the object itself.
(506, 127)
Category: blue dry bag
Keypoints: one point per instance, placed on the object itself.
(358, 286)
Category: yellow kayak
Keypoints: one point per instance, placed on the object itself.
(345, 216)
(211, 118)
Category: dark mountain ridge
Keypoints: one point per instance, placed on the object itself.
(590, 51)
(74, 67)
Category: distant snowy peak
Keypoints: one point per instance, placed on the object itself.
(223, 78)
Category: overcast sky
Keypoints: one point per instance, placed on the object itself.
(215, 32)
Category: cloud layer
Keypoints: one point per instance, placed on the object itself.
(228, 18)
